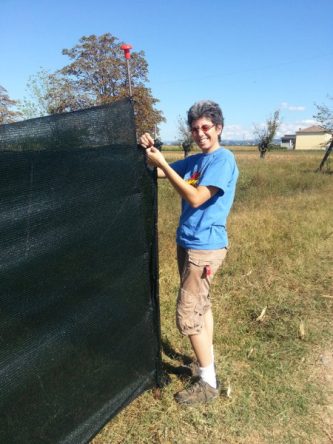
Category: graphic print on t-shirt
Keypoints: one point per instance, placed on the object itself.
(194, 179)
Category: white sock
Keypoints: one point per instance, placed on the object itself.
(208, 375)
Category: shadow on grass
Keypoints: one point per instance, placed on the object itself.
(183, 370)
(172, 354)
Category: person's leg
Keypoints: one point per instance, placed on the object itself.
(195, 318)
(202, 347)
(209, 327)
(194, 314)
(204, 389)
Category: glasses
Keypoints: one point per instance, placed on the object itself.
(203, 128)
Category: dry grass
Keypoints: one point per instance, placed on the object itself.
(280, 260)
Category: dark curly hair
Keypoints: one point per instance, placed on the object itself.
(206, 108)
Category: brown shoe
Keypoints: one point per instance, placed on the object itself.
(200, 391)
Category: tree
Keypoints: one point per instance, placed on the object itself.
(325, 117)
(7, 114)
(266, 134)
(184, 136)
(97, 75)
(37, 104)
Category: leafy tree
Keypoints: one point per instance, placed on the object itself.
(325, 117)
(97, 75)
(266, 134)
(184, 136)
(37, 103)
(7, 114)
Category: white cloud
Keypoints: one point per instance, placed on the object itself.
(287, 106)
(296, 108)
(292, 127)
(237, 132)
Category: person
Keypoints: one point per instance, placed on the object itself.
(206, 183)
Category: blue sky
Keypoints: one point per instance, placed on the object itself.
(252, 57)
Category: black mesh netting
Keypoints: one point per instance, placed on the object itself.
(79, 325)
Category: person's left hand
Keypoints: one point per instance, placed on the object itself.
(155, 157)
(146, 141)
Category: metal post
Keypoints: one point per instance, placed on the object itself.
(126, 48)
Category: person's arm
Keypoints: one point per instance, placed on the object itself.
(194, 196)
(160, 174)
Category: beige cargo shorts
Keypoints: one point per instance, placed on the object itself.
(196, 270)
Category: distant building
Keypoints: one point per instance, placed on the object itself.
(312, 138)
(288, 141)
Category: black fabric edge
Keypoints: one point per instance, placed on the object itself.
(85, 438)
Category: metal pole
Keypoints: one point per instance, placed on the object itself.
(126, 48)
(129, 78)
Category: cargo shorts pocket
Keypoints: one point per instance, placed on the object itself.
(189, 313)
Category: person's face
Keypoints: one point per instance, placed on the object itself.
(205, 134)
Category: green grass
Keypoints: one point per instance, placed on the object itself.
(281, 243)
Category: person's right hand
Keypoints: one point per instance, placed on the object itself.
(146, 141)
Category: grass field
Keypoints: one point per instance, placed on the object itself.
(280, 259)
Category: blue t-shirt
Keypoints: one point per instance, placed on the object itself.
(204, 228)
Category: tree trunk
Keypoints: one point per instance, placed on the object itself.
(326, 156)
(262, 154)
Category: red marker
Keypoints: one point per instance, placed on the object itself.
(126, 48)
